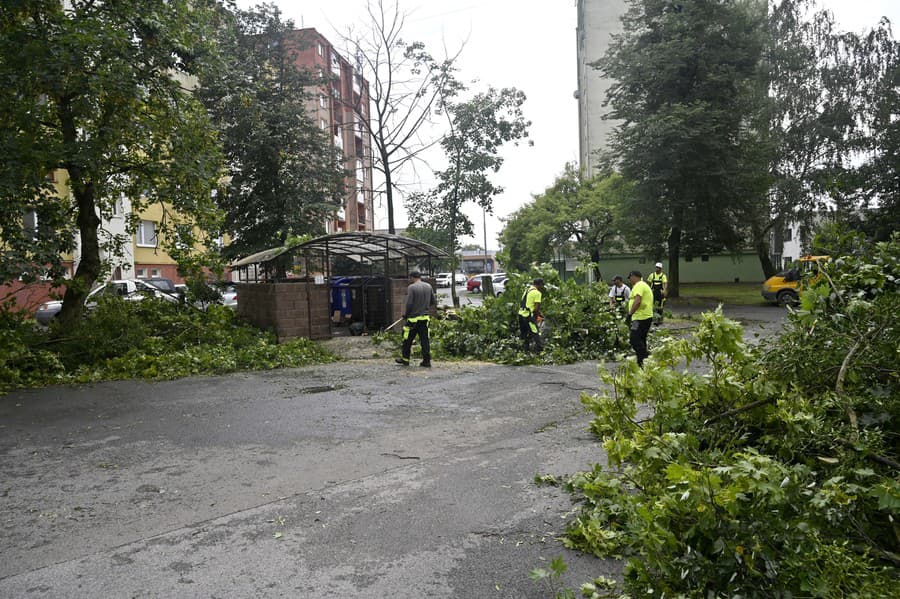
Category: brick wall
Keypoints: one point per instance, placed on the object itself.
(290, 310)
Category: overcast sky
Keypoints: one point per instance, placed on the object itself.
(528, 44)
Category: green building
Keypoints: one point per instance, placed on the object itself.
(714, 268)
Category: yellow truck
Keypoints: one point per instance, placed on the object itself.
(784, 287)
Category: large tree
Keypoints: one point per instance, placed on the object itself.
(478, 128)
(576, 214)
(284, 176)
(406, 86)
(873, 187)
(681, 72)
(98, 91)
(818, 86)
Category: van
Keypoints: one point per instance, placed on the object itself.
(784, 288)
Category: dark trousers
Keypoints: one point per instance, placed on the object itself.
(528, 331)
(658, 303)
(420, 328)
(638, 338)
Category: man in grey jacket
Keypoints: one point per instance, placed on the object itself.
(420, 299)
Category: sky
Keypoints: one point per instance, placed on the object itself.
(527, 44)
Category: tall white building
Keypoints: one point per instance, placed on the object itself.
(598, 20)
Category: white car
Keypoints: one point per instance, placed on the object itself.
(229, 295)
(499, 283)
(443, 279)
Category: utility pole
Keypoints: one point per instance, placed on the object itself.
(484, 224)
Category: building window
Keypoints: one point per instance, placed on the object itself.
(642, 261)
(322, 124)
(154, 272)
(322, 101)
(688, 258)
(787, 234)
(320, 49)
(146, 234)
(141, 273)
(704, 258)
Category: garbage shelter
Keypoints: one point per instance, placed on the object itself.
(344, 283)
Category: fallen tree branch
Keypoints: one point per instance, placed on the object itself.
(748, 407)
(872, 456)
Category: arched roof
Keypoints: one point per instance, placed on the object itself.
(354, 245)
(367, 244)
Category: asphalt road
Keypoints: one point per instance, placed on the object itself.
(355, 479)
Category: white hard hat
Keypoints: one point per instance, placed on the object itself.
(659, 265)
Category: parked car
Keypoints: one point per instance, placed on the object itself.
(167, 286)
(228, 291)
(127, 289)
(476, 283)
(499, 284)
(443, 279)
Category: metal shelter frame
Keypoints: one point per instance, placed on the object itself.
(380, 255)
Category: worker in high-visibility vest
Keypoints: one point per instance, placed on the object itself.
(619, 294)
(659, 284)
(530, 315)
(640, 315)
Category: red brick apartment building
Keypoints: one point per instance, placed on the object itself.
(342, 107)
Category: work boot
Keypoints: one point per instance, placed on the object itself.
(402, 362)
(425, 363)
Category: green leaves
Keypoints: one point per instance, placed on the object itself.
(577, 214)
(151, 339)
(577, 329)
(757, 475)
(284, 177)
(478, 128)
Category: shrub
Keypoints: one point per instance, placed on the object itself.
(147, 339)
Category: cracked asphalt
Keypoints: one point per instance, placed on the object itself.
(359, 478)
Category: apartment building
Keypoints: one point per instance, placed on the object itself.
(341, 106)
(598, 21)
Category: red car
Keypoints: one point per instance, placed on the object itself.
(473, 284)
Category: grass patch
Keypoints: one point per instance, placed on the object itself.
(731, 294)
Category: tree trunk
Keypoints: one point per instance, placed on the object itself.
(595, 259)
(763, 252)
(88, 222)
(674, 245)
(388, 191)
(89, 265)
